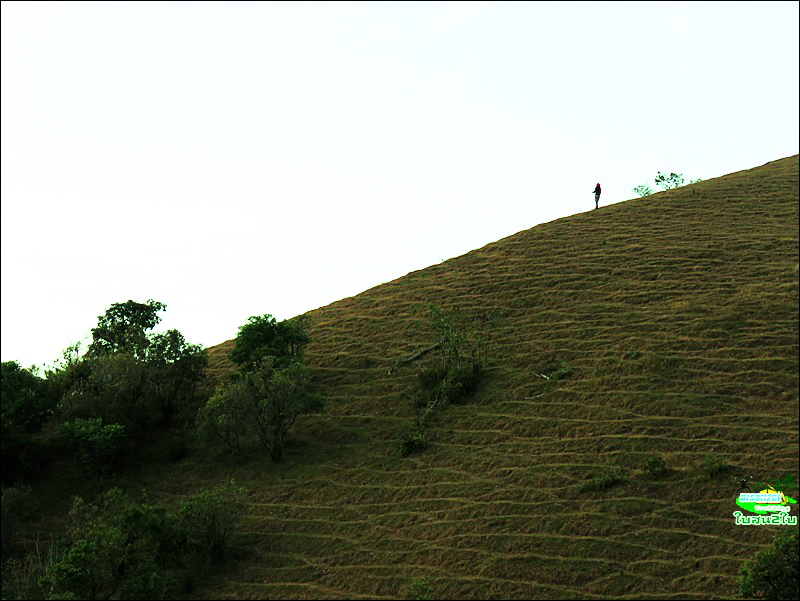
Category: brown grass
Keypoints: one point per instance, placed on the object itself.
(678, 315)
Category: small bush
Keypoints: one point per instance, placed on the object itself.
(604, 481)
(21, 501)
(413, 441)
(442, 386)
(418, 589)
(655, 467)
(205, 523)
(554, 369)
(712, 467)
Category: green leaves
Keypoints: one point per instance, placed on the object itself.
(26, 401)
(205, 523)
(263, 336)
(665, 181)
(773, 572)
(131, 376)
(119, 548)
(262, 404)
(123, 327)
(99, 448)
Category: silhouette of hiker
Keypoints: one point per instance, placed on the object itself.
(596, 195)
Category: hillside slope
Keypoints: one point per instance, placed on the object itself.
(677, 314)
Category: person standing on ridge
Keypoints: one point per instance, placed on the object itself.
(596, 195)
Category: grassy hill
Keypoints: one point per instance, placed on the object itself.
(676, 316)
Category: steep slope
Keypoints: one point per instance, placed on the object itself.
(677, 315)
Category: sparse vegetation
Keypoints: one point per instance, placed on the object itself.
(455, 375)
(665, 181)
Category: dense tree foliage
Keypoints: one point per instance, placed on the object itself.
(124, 548)
(773, 572)
(131, 377)
(26, 402)
(124, 327)
(263, 336)
(99, 448)
(262, 405)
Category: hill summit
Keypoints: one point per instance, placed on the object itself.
(674, 318)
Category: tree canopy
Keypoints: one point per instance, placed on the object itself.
(263, 336)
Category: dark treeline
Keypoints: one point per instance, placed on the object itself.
(97, 412)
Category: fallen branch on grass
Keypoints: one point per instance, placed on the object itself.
(415, 356)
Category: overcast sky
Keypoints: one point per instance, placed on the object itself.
(234, 159)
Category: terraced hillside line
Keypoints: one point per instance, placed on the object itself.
(677, 316)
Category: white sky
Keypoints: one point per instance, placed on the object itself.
(234, 159)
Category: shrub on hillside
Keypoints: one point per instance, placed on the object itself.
(262, 404)
(665, 181)
(122, 548)
(413, 441)
(205, 523)
(419, 589)
(462, 352)
(19, 504)
(611, 477)
(655, 467)
(772, 573)
(555, 370)
(440, 386)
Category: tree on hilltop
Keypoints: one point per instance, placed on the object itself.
(129, 375)
(664, 181)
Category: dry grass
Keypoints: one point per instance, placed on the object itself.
(678, 315)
